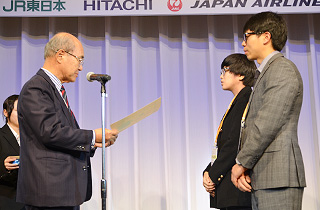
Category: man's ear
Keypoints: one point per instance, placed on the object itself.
(59, 56)
(241, 78)
(267, 37)
(5, 113)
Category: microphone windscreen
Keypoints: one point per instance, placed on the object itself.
(89, 75)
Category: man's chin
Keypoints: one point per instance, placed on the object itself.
(73, 79)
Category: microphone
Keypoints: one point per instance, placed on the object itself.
(99, 77)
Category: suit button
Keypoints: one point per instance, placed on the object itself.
(219, 179)
(80, 147)
(221, 176)
(84, 168)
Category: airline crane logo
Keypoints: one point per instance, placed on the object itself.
(174, 5)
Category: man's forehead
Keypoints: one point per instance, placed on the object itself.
(79, 49)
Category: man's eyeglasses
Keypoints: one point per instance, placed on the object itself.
(224, 70)
(246, 35)
(81, 60)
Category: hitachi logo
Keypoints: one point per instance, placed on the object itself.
(117, 5)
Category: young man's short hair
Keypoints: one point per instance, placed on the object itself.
(272, 23)
(240, 65)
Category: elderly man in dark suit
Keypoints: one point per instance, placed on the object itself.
(269, 145)
(55, 170)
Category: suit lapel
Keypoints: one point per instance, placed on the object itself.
(7, 134)
(264, 70)
(240, 95)
(60, 99)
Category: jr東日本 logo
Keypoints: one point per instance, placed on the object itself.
(174, 5)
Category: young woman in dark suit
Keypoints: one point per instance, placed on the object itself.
(9, 149)
(237, 75)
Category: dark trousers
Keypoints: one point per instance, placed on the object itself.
(27, 207)
(10, 204)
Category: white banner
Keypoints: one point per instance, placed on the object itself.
(52, 8)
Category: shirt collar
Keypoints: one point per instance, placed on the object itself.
(13, 132)
(54, 79)
(265, 61)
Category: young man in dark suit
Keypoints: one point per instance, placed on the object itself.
(55, 170)
(270, 152)
(237, 76)
(9, 150)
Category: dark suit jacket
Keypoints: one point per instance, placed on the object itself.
(8, 181)
(270, 140)
(55, 153)
(8, 147)
(226, 194)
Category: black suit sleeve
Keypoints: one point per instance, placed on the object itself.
(228, 142)
(2, 157)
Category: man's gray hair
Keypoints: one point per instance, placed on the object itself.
(59, 41)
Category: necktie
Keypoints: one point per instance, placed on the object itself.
(65, 98)
(256, 75)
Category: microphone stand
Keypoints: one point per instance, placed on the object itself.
(103, 180)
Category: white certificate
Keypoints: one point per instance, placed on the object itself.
(137, 116)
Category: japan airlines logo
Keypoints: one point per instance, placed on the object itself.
(174, 5)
